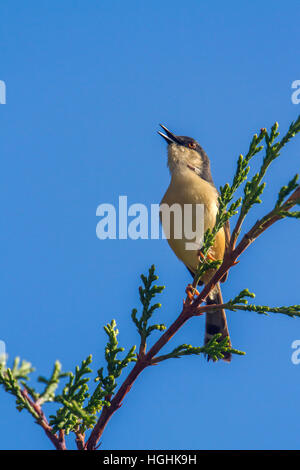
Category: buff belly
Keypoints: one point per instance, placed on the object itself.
(186, 187)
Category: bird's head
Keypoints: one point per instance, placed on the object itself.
(186, 152)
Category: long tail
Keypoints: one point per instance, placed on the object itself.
(216, 322)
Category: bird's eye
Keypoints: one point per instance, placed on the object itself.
(192, 145)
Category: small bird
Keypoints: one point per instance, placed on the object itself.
(192, 183)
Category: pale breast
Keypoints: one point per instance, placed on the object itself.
(186, 187)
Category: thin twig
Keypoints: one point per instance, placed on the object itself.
(80, 441)
(58, 441)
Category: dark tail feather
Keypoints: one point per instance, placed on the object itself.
(216, 322)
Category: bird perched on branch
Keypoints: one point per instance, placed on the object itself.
(192, 184)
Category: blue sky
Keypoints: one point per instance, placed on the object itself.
(87, 85)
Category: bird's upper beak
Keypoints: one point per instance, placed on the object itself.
(169, 136)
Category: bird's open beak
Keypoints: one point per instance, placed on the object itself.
(169, 136)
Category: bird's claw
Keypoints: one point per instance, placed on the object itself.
(191, 291)
(208, 256)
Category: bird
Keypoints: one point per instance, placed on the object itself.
(192, 183)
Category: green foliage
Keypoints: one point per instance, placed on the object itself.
(227, 192)
(241, 298)
(290, 311)
(214, 349)
(234, 304)
(253, 190)
(79, 407)
(115, 365)
(51, 385)
(74, 415)
(286, 191)
(147, 293)
(10, 379)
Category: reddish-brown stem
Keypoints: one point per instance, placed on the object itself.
(80, 441)
(141, 364)
(236, 231)
(57, 441)
(116, 402)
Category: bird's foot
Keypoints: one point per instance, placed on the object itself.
(191, 291)
(201, 256)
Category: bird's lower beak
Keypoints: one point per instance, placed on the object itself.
(169, 136)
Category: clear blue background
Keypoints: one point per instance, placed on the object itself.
(87, 84)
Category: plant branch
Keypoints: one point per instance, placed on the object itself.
(231, 257)
(58, 441)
